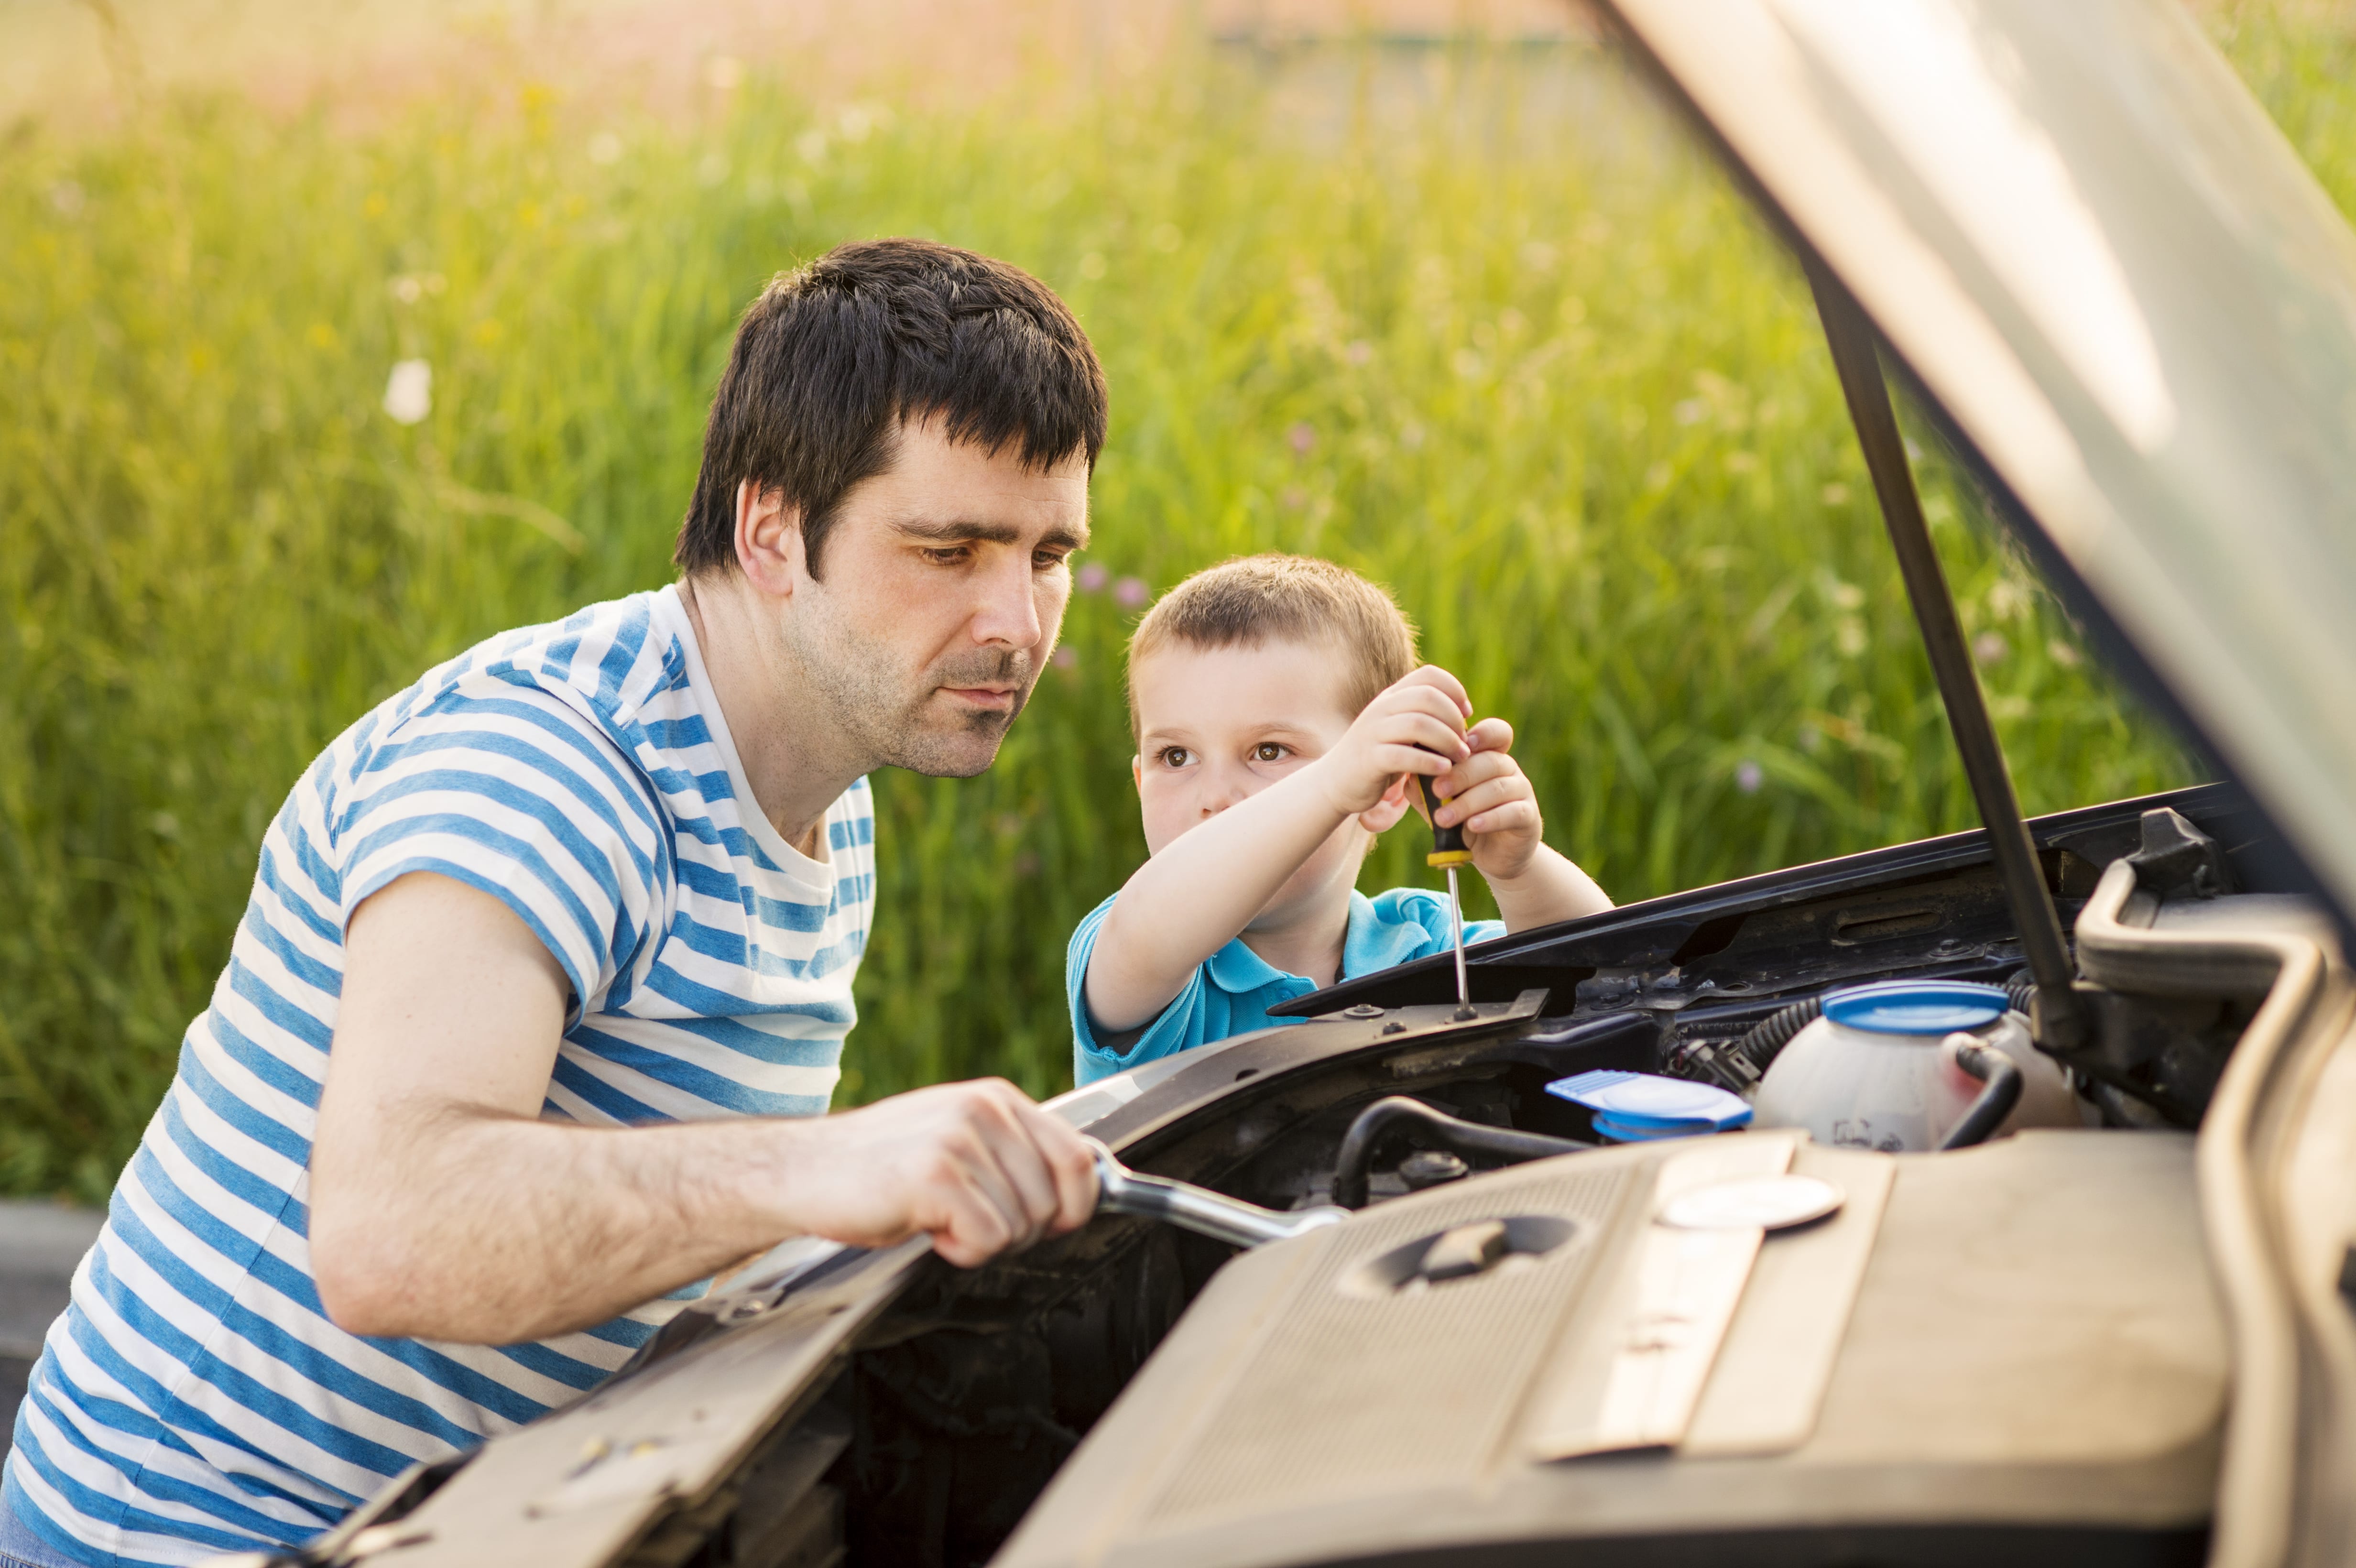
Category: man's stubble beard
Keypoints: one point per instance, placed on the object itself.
(858, 678)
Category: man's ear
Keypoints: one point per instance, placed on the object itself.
(769, 540)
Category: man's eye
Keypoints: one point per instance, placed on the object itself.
(1048, 560)
(950, 555)
(1268, 752)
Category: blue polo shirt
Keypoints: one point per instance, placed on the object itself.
(1230, 992)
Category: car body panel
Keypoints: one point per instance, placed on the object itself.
(2078, 1382)
(2101, 260)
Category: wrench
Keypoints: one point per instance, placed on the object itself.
(1120, 1190)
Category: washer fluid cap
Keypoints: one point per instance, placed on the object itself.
(1634, 1105)
(1916, 1007)
(1621, 1132)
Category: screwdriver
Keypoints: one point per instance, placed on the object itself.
(1447, 851)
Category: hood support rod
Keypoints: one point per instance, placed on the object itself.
(1855, 355)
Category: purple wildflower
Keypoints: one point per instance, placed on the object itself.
(1131, 592)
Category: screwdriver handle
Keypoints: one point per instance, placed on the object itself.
(1447, 843)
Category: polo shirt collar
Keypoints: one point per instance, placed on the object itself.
(1239, 971)
(1373, 943)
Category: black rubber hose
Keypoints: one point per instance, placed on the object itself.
(1459, 1137)
(1995, 1069)
(1770, 1034)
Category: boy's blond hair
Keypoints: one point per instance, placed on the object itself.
(1255, 599)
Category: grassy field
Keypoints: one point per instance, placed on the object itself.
(1556, 389)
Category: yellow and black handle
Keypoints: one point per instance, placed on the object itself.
(1447, 843)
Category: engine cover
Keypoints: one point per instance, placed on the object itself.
(2009, 1349)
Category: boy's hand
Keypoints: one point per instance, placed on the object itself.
(1414, 726)
(1489, 794)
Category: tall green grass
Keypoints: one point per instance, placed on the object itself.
(1540, 374)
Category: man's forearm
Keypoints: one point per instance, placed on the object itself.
(503, 1228)
(441, 1207)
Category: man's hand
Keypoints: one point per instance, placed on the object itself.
(441, 1207)
(976, 1165)
(1416, 725)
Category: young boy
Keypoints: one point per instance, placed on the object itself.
(1278, 712)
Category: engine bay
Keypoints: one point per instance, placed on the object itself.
(2014, 1346)
(2028, 1356)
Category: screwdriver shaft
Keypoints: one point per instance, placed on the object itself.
(1456, 929)
(1447, 851)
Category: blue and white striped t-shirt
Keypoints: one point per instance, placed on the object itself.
(194, 1399)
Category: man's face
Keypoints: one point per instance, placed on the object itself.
(944, 580)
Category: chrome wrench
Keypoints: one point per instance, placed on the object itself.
(1120, 1190)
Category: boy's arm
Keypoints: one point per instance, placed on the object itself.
(1553, 888)
(1490, 797)
(1192, 898)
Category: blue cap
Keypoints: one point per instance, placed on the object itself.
(1916, 1007)
(1633, 1106)
(1621, 1132)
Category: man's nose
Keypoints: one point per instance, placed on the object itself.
(1008, 613)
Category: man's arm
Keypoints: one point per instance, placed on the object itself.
(441, 1207)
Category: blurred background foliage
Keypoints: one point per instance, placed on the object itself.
(1468, 315)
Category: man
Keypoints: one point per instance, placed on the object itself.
(537, 1004)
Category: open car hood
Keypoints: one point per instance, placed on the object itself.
(2112, 277)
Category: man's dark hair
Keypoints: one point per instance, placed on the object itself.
(831, 359)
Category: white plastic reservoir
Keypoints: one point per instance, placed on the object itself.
(1877, 1070)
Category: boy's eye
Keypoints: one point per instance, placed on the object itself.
(1175, 756)
(1268, 752)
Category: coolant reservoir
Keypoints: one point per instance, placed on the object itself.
(1872, 1073)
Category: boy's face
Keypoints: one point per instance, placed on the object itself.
(1219, 725)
